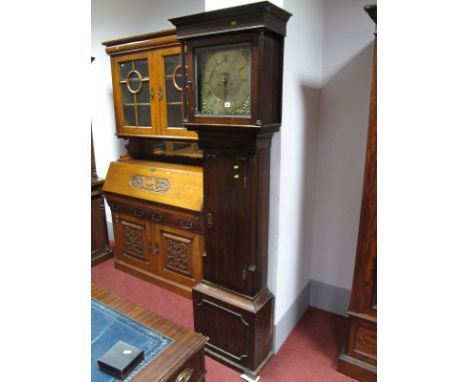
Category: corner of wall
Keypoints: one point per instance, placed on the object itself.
(289, 320)
(329, 297)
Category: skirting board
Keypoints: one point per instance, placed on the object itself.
(289, 320)
(319, 295)
(329, 297)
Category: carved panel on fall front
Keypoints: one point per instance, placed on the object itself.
(150, 183)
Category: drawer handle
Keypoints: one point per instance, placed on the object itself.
(184, 376)
(157, 218)
(187, 224)
(115, 206)
(138, 212)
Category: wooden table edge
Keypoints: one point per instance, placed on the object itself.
(185, 340)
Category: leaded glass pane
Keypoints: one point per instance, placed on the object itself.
(170, 62)
(129, 115)
(127, 97)
(134, 82)
(144, 116)
(172, 94)
(174, 115)
(142, 67)
(143, 95)
(125, 67)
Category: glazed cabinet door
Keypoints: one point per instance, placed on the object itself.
(132, 241)
(227, 217)
(169, 82)
(134, 94)
(178, 254)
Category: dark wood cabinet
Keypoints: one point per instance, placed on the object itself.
(100, 249)
(233, 91)
(359, 359)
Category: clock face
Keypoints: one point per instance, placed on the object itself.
(223, 80)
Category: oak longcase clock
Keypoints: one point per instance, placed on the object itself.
(233, 89)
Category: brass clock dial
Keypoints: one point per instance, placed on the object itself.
(223, 80)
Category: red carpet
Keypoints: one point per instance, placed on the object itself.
(309, 353)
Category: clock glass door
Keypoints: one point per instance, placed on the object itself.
(223, 80)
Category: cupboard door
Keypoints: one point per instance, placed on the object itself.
(227, 220)
(169, 79)
(132, 241)
(133, 85)
(178, 254)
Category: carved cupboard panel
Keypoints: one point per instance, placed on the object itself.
(132, 244)
(179, 254)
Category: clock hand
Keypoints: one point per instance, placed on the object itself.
(225, 80)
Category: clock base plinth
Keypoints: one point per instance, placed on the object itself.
(240, 328)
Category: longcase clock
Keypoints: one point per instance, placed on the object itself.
(233, 90)
(359, 359)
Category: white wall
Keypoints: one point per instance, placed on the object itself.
(295, 146)
(218, 4)
(341, 140)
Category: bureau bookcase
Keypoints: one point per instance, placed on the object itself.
(154, 190)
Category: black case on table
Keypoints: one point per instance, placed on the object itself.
(120, 359)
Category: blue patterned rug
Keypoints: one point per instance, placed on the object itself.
(108, 326)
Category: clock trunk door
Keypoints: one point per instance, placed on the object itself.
(226, 221)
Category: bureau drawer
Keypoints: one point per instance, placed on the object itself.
(160, 215)
(192, 370)
(176, 219)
